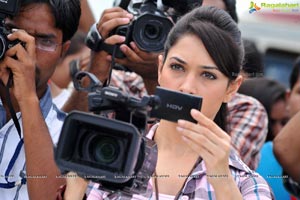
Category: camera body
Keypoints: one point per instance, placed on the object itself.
(111, 151)
(5, 44)
(7, 8)
(149, 28)
(106, 151)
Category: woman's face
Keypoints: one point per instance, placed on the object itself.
(190, 69)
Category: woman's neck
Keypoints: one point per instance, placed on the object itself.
(168, 139)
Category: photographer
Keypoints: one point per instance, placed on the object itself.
(30, 123)
(195, 161)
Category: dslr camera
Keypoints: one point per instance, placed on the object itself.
(149, 28)
(7, 8)
(111, 151)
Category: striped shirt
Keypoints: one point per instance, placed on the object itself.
(129, 82)
(12, 177)
(248, 127)
(251, 185)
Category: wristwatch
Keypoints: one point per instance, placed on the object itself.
(95, 41)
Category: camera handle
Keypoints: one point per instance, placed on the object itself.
(94, 83)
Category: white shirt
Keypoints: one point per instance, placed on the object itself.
(9, 140)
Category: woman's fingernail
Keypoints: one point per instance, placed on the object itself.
(184, 138)
(180, 122)
(179, 129)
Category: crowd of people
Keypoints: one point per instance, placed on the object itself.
(245, 133)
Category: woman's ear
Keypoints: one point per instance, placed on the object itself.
(233, 88)
(160, 66)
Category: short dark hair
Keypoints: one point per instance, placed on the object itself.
(295, 73)
(221, 38)
(253, 64)
(66, 14)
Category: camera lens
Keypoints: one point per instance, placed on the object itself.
(104, 150)
(152, 32)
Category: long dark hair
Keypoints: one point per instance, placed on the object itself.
(221, 38)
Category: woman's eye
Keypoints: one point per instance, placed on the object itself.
(209, 75)
(177, 67)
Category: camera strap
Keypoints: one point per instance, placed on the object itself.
(10, 106)
(12, 162)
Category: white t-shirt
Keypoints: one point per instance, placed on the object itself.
(61, 99)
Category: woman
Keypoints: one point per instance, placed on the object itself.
(203, 56)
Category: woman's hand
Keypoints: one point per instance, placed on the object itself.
(210, 142)
(213, 145)
(76, 187)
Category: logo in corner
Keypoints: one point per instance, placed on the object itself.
(253, 7)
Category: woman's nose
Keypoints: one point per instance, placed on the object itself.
(188, 85)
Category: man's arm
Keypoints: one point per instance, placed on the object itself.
(100, 68)
(287, 147)
(143, 63)
(86, 18)
(100, 64)
(41, 169)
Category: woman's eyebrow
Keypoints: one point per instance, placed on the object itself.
(178, 59)
(210, 67)
(203, 66)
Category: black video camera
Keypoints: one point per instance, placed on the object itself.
(7, 8)
(112, 152)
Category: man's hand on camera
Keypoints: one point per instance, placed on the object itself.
(141, 62)
(21, 60)
(110, 19)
